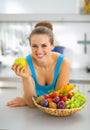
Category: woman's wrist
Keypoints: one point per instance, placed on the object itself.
(28, 78)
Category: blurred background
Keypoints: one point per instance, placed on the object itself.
(71, 23)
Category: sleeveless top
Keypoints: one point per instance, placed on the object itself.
(44, 89)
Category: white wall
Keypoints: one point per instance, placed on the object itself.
(68, 35)
(38, 6)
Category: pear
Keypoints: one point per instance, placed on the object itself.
(39, 99)
(52, 105)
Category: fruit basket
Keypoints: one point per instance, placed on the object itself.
(56, 112)
(62, 102)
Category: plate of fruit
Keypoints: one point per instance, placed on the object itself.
(62, 102)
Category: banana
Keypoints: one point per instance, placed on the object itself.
(66, 88)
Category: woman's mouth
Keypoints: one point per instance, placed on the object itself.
(40, 56)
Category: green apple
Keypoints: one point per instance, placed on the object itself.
(21, 61)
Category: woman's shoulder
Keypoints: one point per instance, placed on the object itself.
(66, 62)
(56, 55)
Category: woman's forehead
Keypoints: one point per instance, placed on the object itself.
(40, 40)
(40, 37)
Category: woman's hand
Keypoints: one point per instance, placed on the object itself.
(16, 102)
(23, 72)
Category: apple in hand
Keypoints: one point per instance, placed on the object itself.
(21, 61)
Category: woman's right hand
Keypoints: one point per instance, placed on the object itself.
(23, 72)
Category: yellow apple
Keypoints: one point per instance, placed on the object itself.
(21, 61)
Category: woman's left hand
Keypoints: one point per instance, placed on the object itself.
(16, 102)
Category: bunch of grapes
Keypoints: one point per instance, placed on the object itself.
(76, 101)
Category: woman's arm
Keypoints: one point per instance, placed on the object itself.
(28, 86)
(64, 74)
(29, 90)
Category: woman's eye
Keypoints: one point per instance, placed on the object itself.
(44, 46)
(34, 46)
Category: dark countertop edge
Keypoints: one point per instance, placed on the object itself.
(79, 81)
(12, 79)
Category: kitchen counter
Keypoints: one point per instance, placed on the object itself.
(6, 72)
(25, 118)
(79, 76)
(76, 75)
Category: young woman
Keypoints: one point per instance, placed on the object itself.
(45, 70)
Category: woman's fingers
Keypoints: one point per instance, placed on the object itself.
(14, 66)
(23, 72)
(18, 101)
(17, 68)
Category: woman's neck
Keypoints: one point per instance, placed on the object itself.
(46, 64)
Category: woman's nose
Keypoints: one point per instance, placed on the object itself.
(39, 49)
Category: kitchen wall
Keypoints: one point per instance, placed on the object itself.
(47, 6)
(68, 35)
(38, 6)
(14, 30)
(14, 41)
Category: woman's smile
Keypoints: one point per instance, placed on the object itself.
(40, 56)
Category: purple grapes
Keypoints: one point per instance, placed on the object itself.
(61, 105)
(44, 103)
(56, 99)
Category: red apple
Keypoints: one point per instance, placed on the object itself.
(53, 94)
(69, 95)
(46, 96)
(64, 98)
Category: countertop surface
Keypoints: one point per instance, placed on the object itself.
(25, 118)
(75, 75)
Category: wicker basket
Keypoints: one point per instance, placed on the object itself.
(56, 112)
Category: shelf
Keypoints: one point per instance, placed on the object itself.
(50, 17)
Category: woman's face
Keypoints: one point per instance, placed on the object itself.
(41, 46)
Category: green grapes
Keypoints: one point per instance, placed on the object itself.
(77, 100)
